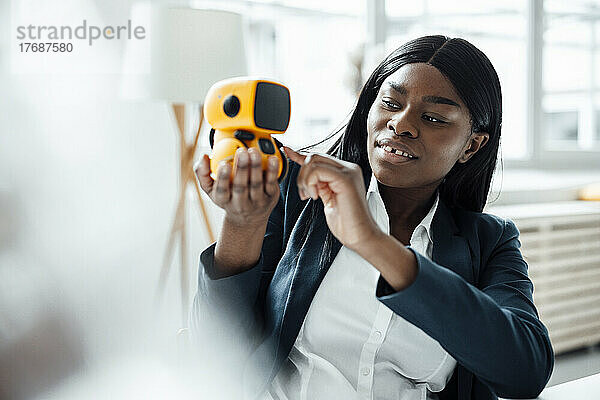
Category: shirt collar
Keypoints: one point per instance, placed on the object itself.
(425, 222)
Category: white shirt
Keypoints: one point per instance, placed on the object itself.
(352, 346)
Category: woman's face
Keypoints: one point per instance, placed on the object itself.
(417, 111)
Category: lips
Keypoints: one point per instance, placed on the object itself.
(397, 148)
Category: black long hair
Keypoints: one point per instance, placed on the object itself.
(466, 185)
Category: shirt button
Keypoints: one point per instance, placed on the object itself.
(377, 334)
(366, 371)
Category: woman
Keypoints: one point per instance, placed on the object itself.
(375, 273)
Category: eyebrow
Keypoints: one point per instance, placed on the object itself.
(427, 99)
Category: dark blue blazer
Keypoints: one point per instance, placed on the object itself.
(474, 297)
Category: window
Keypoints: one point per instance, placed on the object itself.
(545, 53)
(499, 29)
(570, 88)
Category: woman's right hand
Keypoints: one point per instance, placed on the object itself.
(251, 196)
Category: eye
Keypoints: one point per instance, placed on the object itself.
(390, 104)
(433, 119)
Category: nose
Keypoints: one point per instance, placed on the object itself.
(401, 126)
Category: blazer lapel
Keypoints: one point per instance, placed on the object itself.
(290, 293)
(451, 250)
(306, 278)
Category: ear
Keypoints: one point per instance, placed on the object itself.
(475, 142)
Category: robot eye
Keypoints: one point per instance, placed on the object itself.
(231, 106)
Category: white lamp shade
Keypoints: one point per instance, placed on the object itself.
(190, 50)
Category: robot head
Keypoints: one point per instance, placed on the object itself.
(242, 103)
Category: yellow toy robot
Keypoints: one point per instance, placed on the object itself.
(245, 112)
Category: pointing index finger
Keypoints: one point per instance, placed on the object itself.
(294, 155)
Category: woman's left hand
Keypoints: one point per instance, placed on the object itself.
(339, 184)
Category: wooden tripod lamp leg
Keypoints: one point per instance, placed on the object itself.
(166, 264)
(184, 280)
(179, 111)
(179, 219)
(178, 230)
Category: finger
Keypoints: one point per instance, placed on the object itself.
(318, 171)
(220, 192)
(326, 158)
(271, 185)
(256, 175)
(316, 157)
(302, 189)
(325, 194)
(239, 189)
(294, 155)
(202, 171)
(299, 182)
